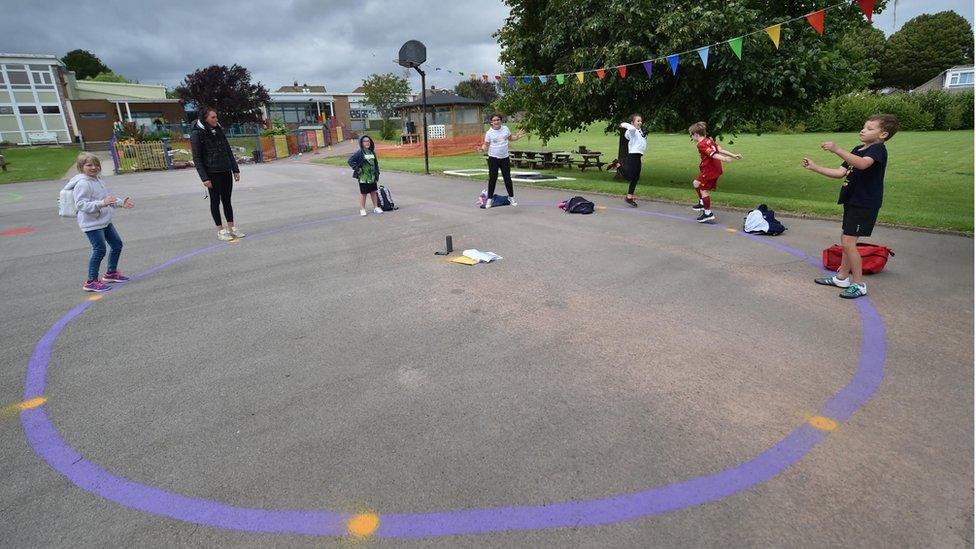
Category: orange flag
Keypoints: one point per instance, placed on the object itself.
(816, 20)
(601, 74)
(622, 69)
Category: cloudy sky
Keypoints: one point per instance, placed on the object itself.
(335, 43)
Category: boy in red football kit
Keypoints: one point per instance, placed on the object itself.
(710, 168)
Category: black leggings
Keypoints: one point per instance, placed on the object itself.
(506, 167)
(631, 169)
(221, 185)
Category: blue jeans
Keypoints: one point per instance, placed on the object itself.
(97, 238)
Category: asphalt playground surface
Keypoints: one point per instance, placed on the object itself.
(626, 379)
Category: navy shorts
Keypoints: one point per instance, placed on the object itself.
(366, 188)
(859, 221)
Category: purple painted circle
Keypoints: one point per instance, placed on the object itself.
(48, 444)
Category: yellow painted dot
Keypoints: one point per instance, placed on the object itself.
(96, 298)
(823, 423)
(235, 241)
(25, 405)
(363, 525)
(731, 230)
(601, 207)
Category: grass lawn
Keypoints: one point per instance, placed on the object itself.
(928, 183)
(37, 163)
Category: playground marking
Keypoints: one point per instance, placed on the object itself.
(363, 525)
(18, 230)
(25, 405)
(96, 298)
(49, 445)
(731, 230)
(822, 423)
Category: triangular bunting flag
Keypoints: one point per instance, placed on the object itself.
(527, 79)
(736, 45)
(867, 6)
(484, 77)
(498, 77)
(648, 67)
(561, 78)
(816, 20)
(703, 53)
(543, 78)
(622, 69)
(511, 81)
(437, 69)
(601, 74)
(579, 76)
(673, 60)
(773, 33)
(474, 76)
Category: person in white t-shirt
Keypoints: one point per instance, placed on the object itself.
(630, 168)
(496, 143)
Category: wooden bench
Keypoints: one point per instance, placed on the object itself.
(590, 159)
(42, 138)
(409, 138)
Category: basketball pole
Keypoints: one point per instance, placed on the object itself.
(423, 101)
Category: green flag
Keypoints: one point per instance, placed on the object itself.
(736, 45)
(561, 78)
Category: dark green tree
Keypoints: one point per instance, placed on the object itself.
(84, 63)
(385, 92)
(486, 92)
(227, 89)
(863, 47)
(769, 84)
(111, 77)
(926, 46)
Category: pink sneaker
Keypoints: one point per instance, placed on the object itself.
(116, 276)
(95, 286)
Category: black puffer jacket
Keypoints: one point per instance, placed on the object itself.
(211, 151)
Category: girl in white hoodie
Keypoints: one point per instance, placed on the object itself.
(95, 208)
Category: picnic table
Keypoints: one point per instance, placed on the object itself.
(540, 159)
(590, 159)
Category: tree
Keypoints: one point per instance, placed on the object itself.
(926, 46)
(768, 84)
(84, 64)
(486, 92)
(229, 90)
(385, 92)
(861, 47)
(111, 77)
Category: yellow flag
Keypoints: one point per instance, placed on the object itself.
(773, 33)
(579, 76)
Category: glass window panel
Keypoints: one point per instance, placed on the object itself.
(54, 122)
(51, 109)
(18, 79)
(966, 78)
(46, 97)
(6, 110)
(40, 67)
(30, 109)
(32, 123)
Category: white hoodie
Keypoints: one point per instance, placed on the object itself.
(636, 143)
(89, 194)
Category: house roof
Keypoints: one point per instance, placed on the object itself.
(441, 97)
(301, 89)
(360, 89)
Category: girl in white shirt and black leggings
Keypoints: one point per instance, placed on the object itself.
(496, 142)
(636, 145)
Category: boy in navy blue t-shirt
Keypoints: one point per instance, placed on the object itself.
(861, 195)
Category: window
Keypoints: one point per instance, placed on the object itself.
(18, 80)
(93, 116)
(28, 110)
(43, 80)
(6, 110)
(3, 84)
(960, 78)
(51, 109)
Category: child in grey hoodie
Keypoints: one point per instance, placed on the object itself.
(95, 208)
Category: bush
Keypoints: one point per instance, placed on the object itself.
(945, 110)
(847, 113)
(965, 102)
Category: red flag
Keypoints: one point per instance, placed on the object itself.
(600, 73)
(867, 6)
(816, 20)
(622, 69)
(498, 77)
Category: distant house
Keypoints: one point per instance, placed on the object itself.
(458, 115)
(41, 101)
(311, 105)
(955, 79)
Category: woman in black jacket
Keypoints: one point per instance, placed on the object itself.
(215, 164)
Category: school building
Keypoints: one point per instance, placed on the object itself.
(41, 102)
(307, 106)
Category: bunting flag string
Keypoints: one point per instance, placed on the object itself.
(815, 19)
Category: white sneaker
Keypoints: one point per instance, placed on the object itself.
(377, 210)
(237, 233)
(362, 213)
(225, 235)
(488, 203)
(512, 201)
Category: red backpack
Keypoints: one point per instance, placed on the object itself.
(874, 257)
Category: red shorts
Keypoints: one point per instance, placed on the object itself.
(706, 183)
